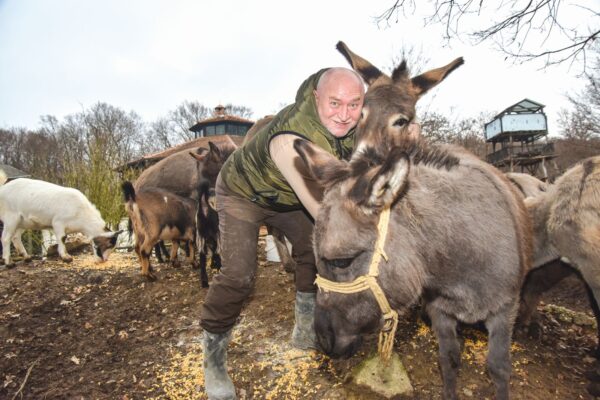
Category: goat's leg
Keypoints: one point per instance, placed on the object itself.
(18, 243)
(215, 260)
(144, 253)
(7, 233)
(61, 236)
(289, 265)
(203, 274)
(191, 253)
(158, 252)
(499, 326)
(444, 327)
(174, 249)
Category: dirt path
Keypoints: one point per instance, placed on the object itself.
(101, 332)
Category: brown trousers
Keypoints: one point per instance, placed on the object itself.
(239, 222)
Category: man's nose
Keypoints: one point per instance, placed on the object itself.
(343, 114)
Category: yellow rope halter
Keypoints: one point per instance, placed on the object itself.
(369, 281)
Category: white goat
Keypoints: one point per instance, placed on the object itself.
(33, 204)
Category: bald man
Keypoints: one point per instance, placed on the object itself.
(263, 183)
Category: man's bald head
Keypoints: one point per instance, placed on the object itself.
(339, 94)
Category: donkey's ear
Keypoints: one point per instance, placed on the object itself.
(321, 165)
(371, 74)
(422, 83)
(390, 181)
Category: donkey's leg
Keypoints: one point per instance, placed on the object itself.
(596, 310)
(590, 271)
(537, 282)
(444, 327)
(499, 326)
(18, 243)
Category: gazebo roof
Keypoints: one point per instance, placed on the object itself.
(12, 172)
(523, 106)
(220, 115)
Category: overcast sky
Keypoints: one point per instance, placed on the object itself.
(61, 56)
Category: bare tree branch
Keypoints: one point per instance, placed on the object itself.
(524, 30)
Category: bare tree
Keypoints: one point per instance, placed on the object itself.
(465, 132)
(521, 29)
(582, 120)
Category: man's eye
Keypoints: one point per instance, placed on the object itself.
(400, 122)
(334, 104)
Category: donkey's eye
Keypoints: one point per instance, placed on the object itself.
(400, 122)
(338, 262)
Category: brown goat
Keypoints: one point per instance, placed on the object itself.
(438, 236)
(157, 214)
(180, 174)
(189, 177)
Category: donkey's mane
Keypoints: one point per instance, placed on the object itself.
(418, 151)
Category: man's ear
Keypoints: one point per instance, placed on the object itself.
(321, 165)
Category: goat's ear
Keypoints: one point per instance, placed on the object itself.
(389, 182)
(110, 234)
(321, 165)
(214, 151)
(422, 83)
(199, 157)
(371, 74)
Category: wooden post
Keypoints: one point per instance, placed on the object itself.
(510, 153)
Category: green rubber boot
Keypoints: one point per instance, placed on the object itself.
(217, 383)
(303, 336)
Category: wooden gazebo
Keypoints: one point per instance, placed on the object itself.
(518, 138)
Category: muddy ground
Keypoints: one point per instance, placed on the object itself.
(88, 331)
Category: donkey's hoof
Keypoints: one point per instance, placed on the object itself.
(175, 264)
(195, 265)
(535, 330)
(27, 259)
(151, 277)
(67, 259)
(205, 284)
(11, 265)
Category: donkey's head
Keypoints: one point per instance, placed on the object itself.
(345, 235)
(389, 105)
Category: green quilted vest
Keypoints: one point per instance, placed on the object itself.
(250, 171)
